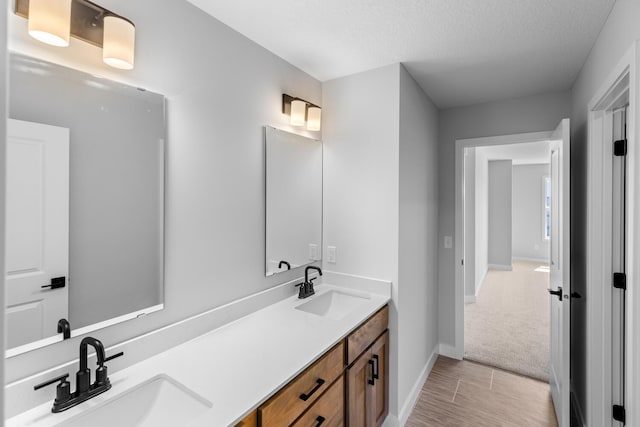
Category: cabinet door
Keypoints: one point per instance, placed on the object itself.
(380, 389)
(359, 376)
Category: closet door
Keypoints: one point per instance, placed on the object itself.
(380, 388)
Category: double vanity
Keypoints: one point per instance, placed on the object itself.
(318, 361)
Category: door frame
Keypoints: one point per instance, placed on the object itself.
(457, 350)
(599, 297)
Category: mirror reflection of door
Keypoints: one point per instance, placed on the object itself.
(37, 230)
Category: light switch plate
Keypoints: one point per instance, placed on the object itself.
(448, 242)
(313, 251)
(331, 254)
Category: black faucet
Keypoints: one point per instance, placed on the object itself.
(84, 389)
(306, 287)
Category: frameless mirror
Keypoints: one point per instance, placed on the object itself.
(85, 203)
(293, 165)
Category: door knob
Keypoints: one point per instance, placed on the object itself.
(557, 293)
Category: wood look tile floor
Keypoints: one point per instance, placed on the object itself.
(462, 393)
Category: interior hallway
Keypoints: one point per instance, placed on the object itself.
(508, 325)
(465, 394)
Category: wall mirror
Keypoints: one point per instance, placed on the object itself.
(85, 203)
(293, 165)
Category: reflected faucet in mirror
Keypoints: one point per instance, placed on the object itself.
(284, 263)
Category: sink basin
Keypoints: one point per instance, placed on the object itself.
(333, 304)
(159, 401)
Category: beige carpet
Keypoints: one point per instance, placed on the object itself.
(508, 325)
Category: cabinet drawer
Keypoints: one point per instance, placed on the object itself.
(328, 411)
(250, 420)
(366, 334)
(283, 408)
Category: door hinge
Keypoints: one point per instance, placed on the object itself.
(620, 147)
(619, 413)
(462, 261)
(620, 281)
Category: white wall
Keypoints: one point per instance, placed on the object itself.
(221, 88)
(418, 236)
(470, 222)
(361, 184)
(380, 206)
(3, 138)
(528, 212)
(482, 219)
(616, 37)
(529, 114)
(500, 216)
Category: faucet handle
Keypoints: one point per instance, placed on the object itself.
(101, 373)
(114, 356)
(63, 390)
(61, 378)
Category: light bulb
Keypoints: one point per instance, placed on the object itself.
(118, 42)
(50, 21)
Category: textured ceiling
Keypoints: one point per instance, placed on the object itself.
(461, 52)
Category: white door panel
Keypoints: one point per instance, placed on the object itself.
(559, 366)
(37, 229)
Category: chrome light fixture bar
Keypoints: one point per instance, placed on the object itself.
(87, 23)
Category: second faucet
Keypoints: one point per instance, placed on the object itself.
(306, 287)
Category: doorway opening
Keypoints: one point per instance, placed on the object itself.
(504, 275)
(507, 216)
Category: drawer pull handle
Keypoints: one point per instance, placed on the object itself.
(320, 420)
(376, 372)
(372, 380)
(306, 397)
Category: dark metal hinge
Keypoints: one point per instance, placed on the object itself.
(620, 147)
(620, 281)
(619, 414)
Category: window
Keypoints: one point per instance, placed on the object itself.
(547, 208)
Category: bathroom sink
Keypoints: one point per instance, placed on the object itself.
(333, 304)
(159, 401)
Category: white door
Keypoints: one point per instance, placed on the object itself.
(37, 230)
(560, 301)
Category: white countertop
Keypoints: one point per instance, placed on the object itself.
(235, 367)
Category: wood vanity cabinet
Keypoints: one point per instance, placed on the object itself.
(291, 401)
(327, 395)
(250, 420)
(328, 411)
(367, 377)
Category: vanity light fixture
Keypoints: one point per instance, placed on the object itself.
(54, 21)
(302, 112)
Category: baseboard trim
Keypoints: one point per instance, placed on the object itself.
(577, 410)
(449, 351)
(411, 400)
(469, 299)
(500, 267)
(540, 260)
